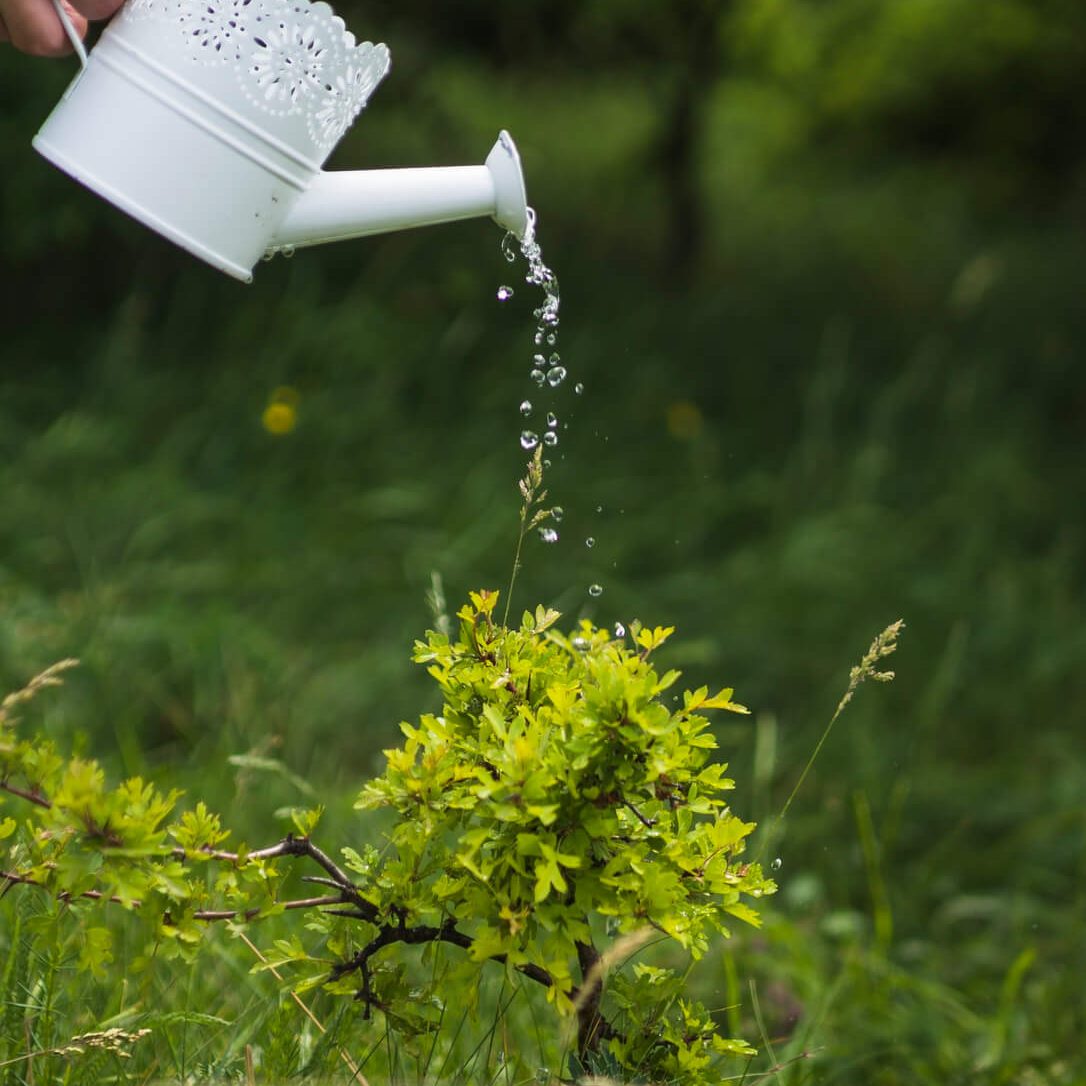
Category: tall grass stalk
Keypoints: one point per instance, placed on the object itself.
(884, 645)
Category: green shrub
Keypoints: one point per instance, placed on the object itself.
(559, 812)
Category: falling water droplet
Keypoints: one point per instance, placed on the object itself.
(539, 360)
(595, 590)
(538, 376)
(578, 388)
(550, 438)
(526, 408)
(776, 865)
(620, 630)
(509, 247)
(504, 293)
(599, 508)
(590, 541)
(287, 251)
(557, 513)
(528, 440)
(554, 359)
(548, 535)
(581, 644)
(556, 376)
(552, 420)
(552, 339)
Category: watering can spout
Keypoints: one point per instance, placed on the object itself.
(352, 204)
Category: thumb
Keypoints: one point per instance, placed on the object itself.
(32, 26)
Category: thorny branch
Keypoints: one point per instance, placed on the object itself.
(13, 878)
(30, 795)
(399, 932)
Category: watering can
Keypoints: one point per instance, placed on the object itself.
(209, 121)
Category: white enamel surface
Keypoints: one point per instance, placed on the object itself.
(338, 206)
(209, 120)
(289, 66)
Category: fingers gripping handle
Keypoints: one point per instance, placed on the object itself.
(73, 36)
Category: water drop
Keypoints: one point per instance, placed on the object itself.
(547, 464)
(538, 338)
(543, 1075)
(528, 440)
(578, 388)
(548, 535)
(557, 513)
(556, 376)
(509, 247)
(539, 360)
(504, 293)
(538, 376)
(526, 408)
(287, 251)
(550, 438)
(552, 420)
(581, 644)
(595, 590)
(590, 541)
(599, 508)
(554, 359)
(620, 630)
(552, 339)
(776, 864)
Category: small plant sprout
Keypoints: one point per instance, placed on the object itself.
(533, 514)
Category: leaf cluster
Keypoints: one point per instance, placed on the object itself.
(91, 844)
(560, 795)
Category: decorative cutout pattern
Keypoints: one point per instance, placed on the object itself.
(291, 57)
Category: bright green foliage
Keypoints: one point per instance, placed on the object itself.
(561, 809)
(93, 845)
(557, 785)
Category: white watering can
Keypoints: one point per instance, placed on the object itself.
(209, 121)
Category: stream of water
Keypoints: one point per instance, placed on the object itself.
(547, 370)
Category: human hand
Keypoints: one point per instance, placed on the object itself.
(34, 27)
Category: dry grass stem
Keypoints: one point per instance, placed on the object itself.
(614, 955)
(49, 677)
(356, 1071)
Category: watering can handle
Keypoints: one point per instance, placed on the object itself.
(73, 36)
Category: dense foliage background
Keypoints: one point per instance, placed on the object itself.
(822, 269)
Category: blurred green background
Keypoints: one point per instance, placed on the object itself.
(822, 266)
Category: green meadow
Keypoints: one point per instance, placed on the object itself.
(822, 270)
